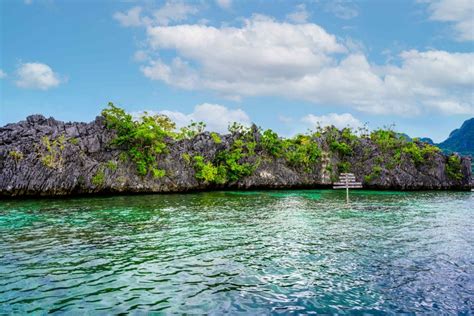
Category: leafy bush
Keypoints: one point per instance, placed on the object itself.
(453, 167)
(207, 172)
(112, 165)
(376, 171)
(143, 139)
(99, 178)
(272, 143)
(344, 166)
(301, 151)
(341, 147)
(216, 138)
(16, 155)
(192, 130)
(51, 154)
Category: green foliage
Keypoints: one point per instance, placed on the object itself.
(341, 147)
(453, 167)
(51, 153)
(376, 171)
(395, 145)
(186, 157)
(237, 128)
(74, 141)
(207, 172)
(158, 173)
(16, 155)
(123, 157)
(216, 138)
(99, 178)
(344, 166)
(414, 152)
(192, 130)
(272, 143)
(231, 160)
(111, 165)
(301, 151)
(143, 139)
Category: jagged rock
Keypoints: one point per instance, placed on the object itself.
(29, 168)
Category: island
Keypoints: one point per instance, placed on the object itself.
(120, 153)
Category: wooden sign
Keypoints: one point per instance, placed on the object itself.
(347, 181)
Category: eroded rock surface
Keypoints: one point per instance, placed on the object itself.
(46, 157)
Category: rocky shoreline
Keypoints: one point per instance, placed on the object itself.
(45, 157)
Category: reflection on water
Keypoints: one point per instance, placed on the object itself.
(250, 252)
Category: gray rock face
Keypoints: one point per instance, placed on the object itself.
(45, 157)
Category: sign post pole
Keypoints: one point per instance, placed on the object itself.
(347, 181)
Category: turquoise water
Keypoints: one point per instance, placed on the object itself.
(239, 252)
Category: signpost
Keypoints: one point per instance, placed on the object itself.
(347, 181)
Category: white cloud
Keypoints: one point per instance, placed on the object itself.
(171, 11)
(130, 18)
(216, 117)
(265, 57)
(140, 56)
(36, 76)
(338, 120)
(458, 12)
(28, 2)
(300, 15)
(343, 9)
(2, 74)
(224, 4)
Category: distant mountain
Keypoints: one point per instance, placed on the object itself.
(427, 140)
(460, 140)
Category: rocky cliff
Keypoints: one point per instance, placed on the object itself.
(46, 157)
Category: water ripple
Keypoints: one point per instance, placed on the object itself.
(240, 252)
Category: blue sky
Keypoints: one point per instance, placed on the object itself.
(286, 65)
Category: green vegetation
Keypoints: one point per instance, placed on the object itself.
(394, 146)
(99, 178)
(74, 141)
(453, 167)
(207, 172)
(186, 157)
(302, 151)
(112, 165)
(191, 131)
(51, 154)
(216, 138)
(344, 166)
(16, 155)
(376, 172)
(143, 139)
(299, 151)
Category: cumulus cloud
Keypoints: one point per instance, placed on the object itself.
(224, 4)
(300, 15)
(458, 12)
(265, 57)
(36, 76)
(171, 11)
(217, 117)
(2, 74)
(338, 120)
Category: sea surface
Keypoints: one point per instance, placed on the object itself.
(262, 252)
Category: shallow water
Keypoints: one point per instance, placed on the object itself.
(248, 252)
